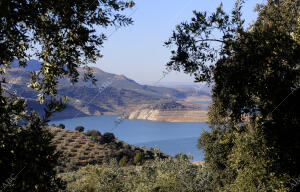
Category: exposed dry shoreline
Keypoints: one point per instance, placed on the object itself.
(179, 111)
(170, 115)
(172, 111)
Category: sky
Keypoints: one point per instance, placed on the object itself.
(137, 51)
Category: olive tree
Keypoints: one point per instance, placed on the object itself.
(62, 35)
(253, 144)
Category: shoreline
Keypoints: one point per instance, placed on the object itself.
(170, 119)
(170, 116)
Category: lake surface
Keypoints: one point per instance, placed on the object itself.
(170, 138)
(202, 102)
(207, 103)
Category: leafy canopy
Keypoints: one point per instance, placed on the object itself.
(62, 35)
(64, 32)
(254, 117)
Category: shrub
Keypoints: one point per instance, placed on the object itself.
(108, 137)
(137, 160)
(123, 161)
(79, 128)
(93, 133)
(164, 175)
(183, 156)
(62, 126)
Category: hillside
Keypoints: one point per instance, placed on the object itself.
(79, 150)
(113, 80)
(112, 94)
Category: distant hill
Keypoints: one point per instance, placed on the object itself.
(112, 94)
(32, 65)
(122, 82)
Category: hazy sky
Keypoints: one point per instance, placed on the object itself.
(137, 51)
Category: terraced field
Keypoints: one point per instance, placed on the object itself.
(79, 150)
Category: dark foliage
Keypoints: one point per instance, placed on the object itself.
(65, 33)
(79, 128)
(62, 126)
(27, 156)
(253, 144)
(108, 137)
(93, 133)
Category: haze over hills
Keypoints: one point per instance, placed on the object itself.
(112, 94)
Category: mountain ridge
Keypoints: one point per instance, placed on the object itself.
(111, 94)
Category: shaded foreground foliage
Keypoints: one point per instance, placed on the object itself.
(61, 34)
(164, 175)
(254, 141)
(27, 155)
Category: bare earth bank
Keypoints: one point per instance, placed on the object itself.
(192, 115)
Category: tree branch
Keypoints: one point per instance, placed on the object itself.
(210, 40)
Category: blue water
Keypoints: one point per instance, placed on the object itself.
(175, 146)
(170, 138)
(202, 102)
(207, 103)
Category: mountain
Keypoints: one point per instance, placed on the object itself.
(32, 65)
(122, 82)
(112, 94)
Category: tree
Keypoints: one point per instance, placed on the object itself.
(79, 128)
(123, 161)
(62, 126)
(138, 158)
(108, 137)
(93, 133)
(254, 116)
(27, 155)
(62, 35)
